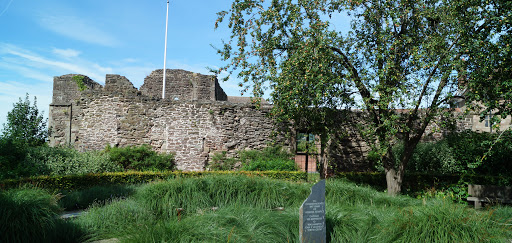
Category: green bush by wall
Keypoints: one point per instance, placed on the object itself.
(272, 158)
(140, 158)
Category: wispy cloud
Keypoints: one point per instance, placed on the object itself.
(67, 53)
(3, 8)
(25, 71)
(76, 28)
(19, 59)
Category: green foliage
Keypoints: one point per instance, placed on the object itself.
(271, 164)
(140, 158)
(192, 194)
(97, 195)
(483, 153)
(26, 207)
(453, 223)
(236, 223)
(462, 152)
(221, 162)
(66, 161)
(239, 208)
(81, 181)
(31, 215)
(453, 187)
(12, 152)
(79, 80)
(25, 124)
(431, 157)
(233, 209)
(398, 55)
(489, 58)
(270, 158)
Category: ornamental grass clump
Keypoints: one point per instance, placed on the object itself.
(219, 191)
(31, 215)
(81, 199)
(234, 223)
(244, 209)
(442, 222)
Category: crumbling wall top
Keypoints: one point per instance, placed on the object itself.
(182, 85)
(67, 88)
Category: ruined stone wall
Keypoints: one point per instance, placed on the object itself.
(194, 126)
(120, 115)
(64, 109)
(183, 85)
(191, 130)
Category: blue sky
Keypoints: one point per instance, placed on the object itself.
(43, 39)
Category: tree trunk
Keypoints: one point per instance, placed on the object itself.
(395, 177)
(394, 181)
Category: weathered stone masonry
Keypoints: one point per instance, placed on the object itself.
(193, 121)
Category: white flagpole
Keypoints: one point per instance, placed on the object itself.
(165, 48)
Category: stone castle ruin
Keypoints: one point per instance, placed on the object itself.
(195, 119)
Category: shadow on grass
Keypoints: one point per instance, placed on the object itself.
(82, 199)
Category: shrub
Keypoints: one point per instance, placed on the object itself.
(431, 157)
(441, 222)
(25, 123)
(221, 162)
(271, 164)
(140, 158)
(31, 215)
(483, 153)
(463, 152)
(239, 209)
(270, 158)
(428, 185)
(67, 161)
(12, 153)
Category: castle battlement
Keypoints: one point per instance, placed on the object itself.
(195, 119)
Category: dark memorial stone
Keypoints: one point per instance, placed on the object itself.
(312, 215)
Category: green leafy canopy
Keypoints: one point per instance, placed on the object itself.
(408, 55)
(25, 123)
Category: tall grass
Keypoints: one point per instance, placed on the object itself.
(118, 218)
(219, 191)
(440, 222)
(240, 209)
(243, 209)
(235, 223)
(31, 215)
(72, 200)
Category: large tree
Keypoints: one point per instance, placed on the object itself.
(407, 55)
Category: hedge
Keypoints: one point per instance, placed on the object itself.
(73, 182)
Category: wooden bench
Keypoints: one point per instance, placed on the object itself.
(480, 194)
